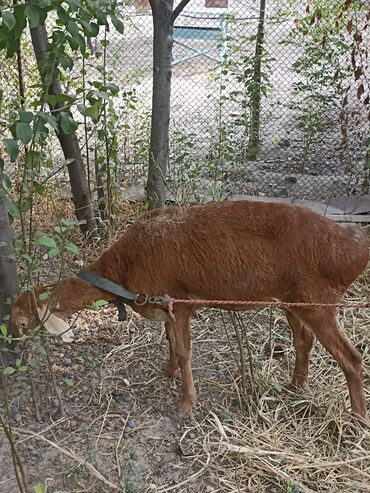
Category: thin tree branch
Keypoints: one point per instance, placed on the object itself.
(178, 10)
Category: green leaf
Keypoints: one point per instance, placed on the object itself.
(38, 187)
(63, 15)
(51, 99)
(69, 382)
(40, 488)
(46, 241)
(12, 149)
(23, 368)
(34, 157)
(44, 3)
(67, 123)
(96, 305)
(41, 349)
(82, 43)
(4, 330)
(276, 385)
(86, 26)
(13, 210)
(82, 109)
(52, 121)
(44, 296)
(74, 4)
(59, 230)
(73, 248)
(27, 258)
(8, 19)
(70, 222)
(32, 13)
(33, 363)
(26, 116)
(93, 111)
(72, 28)
(9, 370)
(117, 23)
(65, 98)
(94, 29)
(66, 62)
(113, 88)
(53, 252)
(24, 132)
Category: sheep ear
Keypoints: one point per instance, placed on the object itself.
(55, 325)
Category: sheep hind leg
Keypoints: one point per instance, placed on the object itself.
(172, 367)
(323, 323)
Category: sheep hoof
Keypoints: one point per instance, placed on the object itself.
(172, 371)
(186, 407)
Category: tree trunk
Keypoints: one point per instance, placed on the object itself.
(254, 136)
(69, 143)
(9, 286)
(162, 72)
(163, 19)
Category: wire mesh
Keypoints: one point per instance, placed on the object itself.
(313, 134)
(311, 144)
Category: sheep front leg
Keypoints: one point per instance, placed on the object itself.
(181, 329)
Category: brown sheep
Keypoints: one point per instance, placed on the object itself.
(226, 251)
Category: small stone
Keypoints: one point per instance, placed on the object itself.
(130, 426)
(128, 398)
(13, 410)
(55, 403)
(67, 362)
(176, 476)
(291, 179)
(95, 401)
(117, 396)
(73, 424)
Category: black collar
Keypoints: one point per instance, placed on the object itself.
(123, 295)
(107, 285)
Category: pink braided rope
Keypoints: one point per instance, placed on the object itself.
(171, 302)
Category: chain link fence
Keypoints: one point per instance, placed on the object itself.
(264, 99)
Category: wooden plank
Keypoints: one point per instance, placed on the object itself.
(323, 208)
(350, 218)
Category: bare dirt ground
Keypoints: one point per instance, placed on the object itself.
(121, 430)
